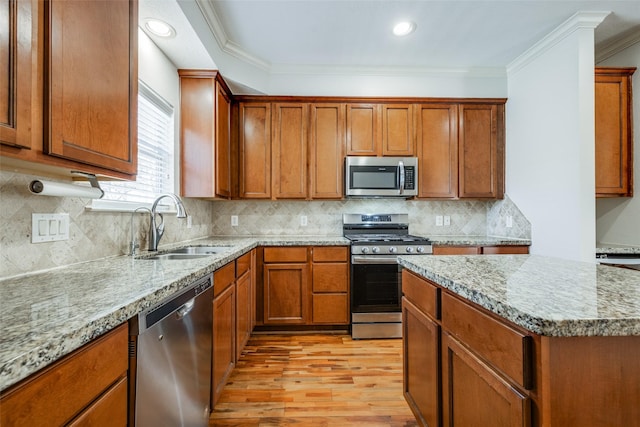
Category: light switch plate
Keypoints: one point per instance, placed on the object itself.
(49, 227)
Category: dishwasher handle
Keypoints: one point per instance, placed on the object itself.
(185, 309)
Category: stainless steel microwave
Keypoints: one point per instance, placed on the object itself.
(381, 176)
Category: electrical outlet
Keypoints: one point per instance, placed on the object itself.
(439, 221)
(234, 220)
(303, 220)
(509, 221)
(447, 220)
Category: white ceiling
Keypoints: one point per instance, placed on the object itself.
(276, 35)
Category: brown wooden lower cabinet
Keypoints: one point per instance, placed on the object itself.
(305, 285)
(87, 387)
(224, 329)
(465, 366)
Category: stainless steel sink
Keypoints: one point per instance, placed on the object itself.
(171, 256)
(199, 250)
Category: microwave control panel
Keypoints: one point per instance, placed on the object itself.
(409, 178)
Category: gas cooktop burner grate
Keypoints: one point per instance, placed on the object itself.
(381, 238)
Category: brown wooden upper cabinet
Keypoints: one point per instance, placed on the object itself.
(205, 103)
(15, 73)
(380, 130)
(255, 150)
(461, 150)
(326, 151)
(397, 130)
(614, 135)
(72, 98)
(289, 150)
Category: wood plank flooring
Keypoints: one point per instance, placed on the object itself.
(315, 380)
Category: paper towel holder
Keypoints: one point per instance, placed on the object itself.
(50, 188)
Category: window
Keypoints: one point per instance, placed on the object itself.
(155, 157)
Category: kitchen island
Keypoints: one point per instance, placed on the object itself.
(521, 340)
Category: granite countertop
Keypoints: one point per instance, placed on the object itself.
(547, 296)
(477, 241)
(603, 248)
(48, 314)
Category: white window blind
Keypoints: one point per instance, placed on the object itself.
(155, 153)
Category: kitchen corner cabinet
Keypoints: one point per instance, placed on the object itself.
(614, 132)
(205, 124)
(89, 119)
(326, 151)
(289, 150)
(255, 150)
(305, 286)
(87, 387)
(460, 150)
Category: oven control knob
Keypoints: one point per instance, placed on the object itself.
(393, 249)
(375, 250)
(409, 249)
(364, 250)
(420, 249)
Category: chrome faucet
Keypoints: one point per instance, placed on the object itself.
(157, 230)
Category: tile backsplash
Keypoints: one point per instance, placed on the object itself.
(94, 235)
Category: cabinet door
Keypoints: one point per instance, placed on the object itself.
(326, 151)
(397, 130)
(495, 250)
(224, 349)
(364, 129)
(286, 293)
(614, 162)
(255, 150)
(92, 86)
(243, 311)
(475, 395)
(481, 151)
(223, 142)
(330, 309)
(289, 145)
(110, 409)
(15, 73)
(421, 364)
(437, 147)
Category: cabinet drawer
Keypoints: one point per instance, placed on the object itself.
(457, 250)
(330, 308)
(285, 254)
(223, 277)
(507, 349)
(421, 293)
(243, 264)
(330, 277)
(496, 250)
(330, 254)
(58, 393)
(109, 410)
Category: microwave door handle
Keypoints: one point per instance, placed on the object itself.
(401, 175)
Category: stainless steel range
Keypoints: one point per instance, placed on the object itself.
(376, 285)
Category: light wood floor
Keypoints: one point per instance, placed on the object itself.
(315, 380)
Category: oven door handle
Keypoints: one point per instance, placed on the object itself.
(363, 259)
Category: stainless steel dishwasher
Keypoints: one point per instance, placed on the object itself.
(170, 353)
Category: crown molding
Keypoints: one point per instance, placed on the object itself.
(578, 21)
(224, 43)
(610, 48)
(480, 72)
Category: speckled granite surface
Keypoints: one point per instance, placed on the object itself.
(617, 250)
(548, 296)
(477, 241)
(46, 315)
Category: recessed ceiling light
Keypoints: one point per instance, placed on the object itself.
(404, 28)
(159, 28)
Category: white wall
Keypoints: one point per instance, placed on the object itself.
(550, 143)
(618, 219)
